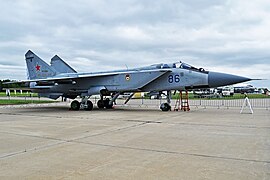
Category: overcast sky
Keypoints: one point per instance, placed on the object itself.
(231, 36)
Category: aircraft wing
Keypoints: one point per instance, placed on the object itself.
(78, 76)
(155, 76)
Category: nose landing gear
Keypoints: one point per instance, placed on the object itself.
(166, 106)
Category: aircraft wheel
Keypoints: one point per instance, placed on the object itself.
(107, 104)
(165, 107)
(75, 105)
(89, 106)
(100, 104)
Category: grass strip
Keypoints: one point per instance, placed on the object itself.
(18, 101)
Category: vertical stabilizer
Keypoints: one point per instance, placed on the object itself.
(61, 66)
(37, 68)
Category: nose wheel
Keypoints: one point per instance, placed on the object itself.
(165, 107)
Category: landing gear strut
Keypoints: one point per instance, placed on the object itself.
(166, 106)
(84, 104)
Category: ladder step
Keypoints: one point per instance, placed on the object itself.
(182, 102)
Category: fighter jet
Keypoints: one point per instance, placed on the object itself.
(59, 79)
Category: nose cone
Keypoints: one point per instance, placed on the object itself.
(216, 79)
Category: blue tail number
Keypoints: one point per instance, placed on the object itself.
(174, 78)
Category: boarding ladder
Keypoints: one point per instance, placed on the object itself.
(182, 102)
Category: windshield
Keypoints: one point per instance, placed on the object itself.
(187, 66)
(180, 65)
(177, 65)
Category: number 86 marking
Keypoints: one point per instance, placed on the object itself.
(174, 78)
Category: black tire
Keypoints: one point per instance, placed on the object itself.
(100, 104)
(89, 106)
(106, 103)
(165, 107)
(109, 106)
(75, 105)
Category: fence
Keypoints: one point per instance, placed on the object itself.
(255, 103)
(203, 102)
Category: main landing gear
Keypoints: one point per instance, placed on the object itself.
(88, 105)
(104, 104)
(107, 103)
(166, 106)
(84, 104)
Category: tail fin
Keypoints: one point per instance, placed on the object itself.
(37, 68)
(61, 66)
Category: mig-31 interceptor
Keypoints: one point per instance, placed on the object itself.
(59, 79)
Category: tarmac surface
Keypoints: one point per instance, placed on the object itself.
(51, 142)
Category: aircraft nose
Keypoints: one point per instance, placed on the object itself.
(216, 79)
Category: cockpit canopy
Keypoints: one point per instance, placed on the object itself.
(180, 64)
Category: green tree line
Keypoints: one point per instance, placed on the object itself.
(15, 85)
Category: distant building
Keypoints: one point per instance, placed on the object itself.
(244, 89)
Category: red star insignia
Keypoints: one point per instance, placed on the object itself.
(37, 67)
